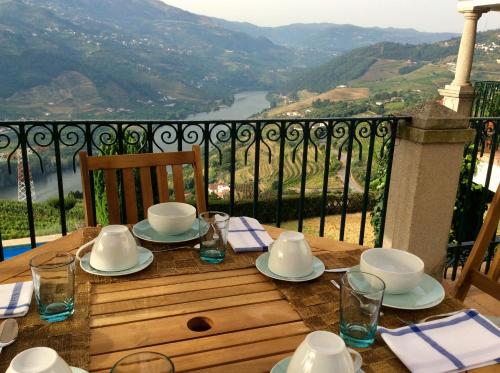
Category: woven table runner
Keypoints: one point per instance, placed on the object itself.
(317, 301)
(70, 338)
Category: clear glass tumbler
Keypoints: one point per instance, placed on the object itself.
(144, 362)
(54, 283)
(214, 226)
(361, 296)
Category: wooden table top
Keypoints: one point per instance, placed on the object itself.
(222, 321)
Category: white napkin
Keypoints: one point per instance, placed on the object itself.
(247, 234)
(463, 341)
(15, 299)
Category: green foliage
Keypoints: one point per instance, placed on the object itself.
(312, 206)
(14, 218)
(377, 186)
(408, 69)
(69, 202)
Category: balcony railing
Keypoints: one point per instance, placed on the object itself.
(358, 144)
(480, 170)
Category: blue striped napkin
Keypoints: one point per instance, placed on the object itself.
(457, 343)
(247, 234)
(15, 299)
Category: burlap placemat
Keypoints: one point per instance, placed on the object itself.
(317, 301)
(69, 338)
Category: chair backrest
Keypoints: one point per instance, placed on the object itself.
(471, 274)
(143, 163)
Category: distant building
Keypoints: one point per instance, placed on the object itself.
(219, 189)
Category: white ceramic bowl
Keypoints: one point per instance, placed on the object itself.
(171, 217)
(401, 271)
(38, 360)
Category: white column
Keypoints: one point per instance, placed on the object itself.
(466, 51)
(459, 95)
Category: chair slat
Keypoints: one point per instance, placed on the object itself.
(144, 162)
(112, 196)
(162, 181)
(130, 196)
(470, 273)
(178, 183)
(146, 188)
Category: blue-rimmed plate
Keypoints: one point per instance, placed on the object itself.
(427, 294)
(282, 366)
(145, 231)
(145, 257)
(261, 264)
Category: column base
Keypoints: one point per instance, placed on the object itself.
(458, 98)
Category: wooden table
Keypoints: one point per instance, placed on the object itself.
(223, 321)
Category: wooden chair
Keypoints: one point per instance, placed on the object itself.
(471, 274)
(143, 162)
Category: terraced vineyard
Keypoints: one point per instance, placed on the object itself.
(292, 170)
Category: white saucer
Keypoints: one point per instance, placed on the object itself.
(282, 366)
(77, 370)
(145, 259)
(145, 231)
(261, 264)
(427, 294)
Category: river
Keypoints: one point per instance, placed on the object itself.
(244, 106)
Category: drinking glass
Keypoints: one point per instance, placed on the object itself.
(53, 280)
(361, 296)
(214, 226)
(144, 362)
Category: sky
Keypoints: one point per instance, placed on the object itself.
(422, 15)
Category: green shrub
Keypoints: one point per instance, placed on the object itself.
(266, 210)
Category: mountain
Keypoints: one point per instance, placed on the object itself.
(145, 59)
(135, 57)
(333, 38)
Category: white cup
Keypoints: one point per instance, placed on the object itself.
(324, 352)
(114, 249)
(290, 255)
(38, 360)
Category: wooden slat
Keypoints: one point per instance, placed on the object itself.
(182, 308)
(192, 296)
(485, 284)
(112, 196)
(215, 342)
(140, 160)
(87, 196)
(174, 328)
(162, 181)
(259, 365)
(476, 256)
(178, 183)
(146, 189)
(237, 354)
(130, 196)
(154, 291)
(169, 280)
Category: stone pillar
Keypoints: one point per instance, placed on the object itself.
(459, 95)
(425, 172)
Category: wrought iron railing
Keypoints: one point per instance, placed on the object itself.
(357, 142)
(486, 99)
(480, 169)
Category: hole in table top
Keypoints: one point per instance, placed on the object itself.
(199, 324)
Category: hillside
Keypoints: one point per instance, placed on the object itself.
(385, 62)
(137, 58)
(333, 38)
